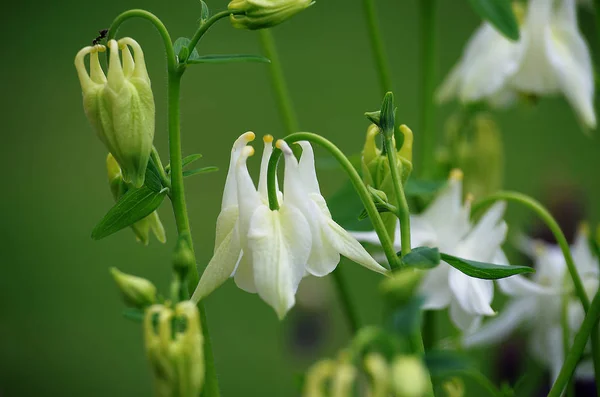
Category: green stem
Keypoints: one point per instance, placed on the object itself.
(429, 329)
(428, 63)
(564, 246)
(284, 100)
(211, 387)
(385, 81)
(357, 182)
(162, 30)
(161, 169)
(345, 300)
(403, 210)
(581, 338)
(551, 223)
(207, 25)
(564, 317)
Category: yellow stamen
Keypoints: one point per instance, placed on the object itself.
(456, 175)
(268, 138)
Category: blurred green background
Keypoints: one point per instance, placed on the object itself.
(61, 328)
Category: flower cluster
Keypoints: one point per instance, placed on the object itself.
(550, 57)
(269, 251)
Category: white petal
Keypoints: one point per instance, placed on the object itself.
(244, 273)
(248, 198)
(449, 88)
(226, 221)
(498, 328)
(230, 190)
(307, 168)
(220, 267)
(434, 288)
(464, 320)
(570, 57)
(264, 165)
(474, 295)
(555, 351)
(485, 239)
(280, 242)
(366, 237)
(585, 260)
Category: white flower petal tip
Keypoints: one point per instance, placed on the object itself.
(247, 151)
(268, 138)
(244, 139)
(283, 146)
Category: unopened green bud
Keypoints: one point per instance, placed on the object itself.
(317, 378)
(120, 106)
(261, 14)
(454, 387)
(400, 287)
(137, 292)
(343, 378)
(175, 349)
(118, 188)
(379, 371)
(410, 377)
(183, 258)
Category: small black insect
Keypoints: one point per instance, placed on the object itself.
(101, 36)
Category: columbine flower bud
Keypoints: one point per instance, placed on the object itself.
(376, 169)
(261, 14)
(175, 353)
(410, 377)
(137, 292)
(118, 188)
(183, 259)
(120, 107)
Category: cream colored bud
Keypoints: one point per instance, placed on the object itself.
(261, 14)
(378, 370)
(120, 106)
(343, 379)
(317, 378)
(410, 377)
(137, 292)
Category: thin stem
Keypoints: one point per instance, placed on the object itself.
(161, 169)
(345, 300)
(162, 30)
(564, 319)
(428, 63)
(356, 180)
(284, 100)
(581, 338)
(207, 25)
(403, 210)
(596, 355)
(385, 81)
(418, 347)
(429, 329)
(551, 223)
(211, 387)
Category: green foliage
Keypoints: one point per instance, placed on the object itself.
(500, 14)
(486, 271)
(203, 170)
(406, 320)
(134, 206)
(178, 46)
(205, 13)
(444, 363)
(229, 58)
(388, 116)
(422, 258)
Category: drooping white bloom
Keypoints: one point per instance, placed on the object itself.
(329, 239)
(537, 304)
(269, 251)
(551, 57)
(445, 224)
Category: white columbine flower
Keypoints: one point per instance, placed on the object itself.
(445, 224)
(537, 304)
(269, 251)
(551, 57)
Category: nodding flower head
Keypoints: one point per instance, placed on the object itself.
(261, 14)
(120, 105)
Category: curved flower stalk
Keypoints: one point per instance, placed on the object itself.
(550, 58)
(445, 224)
(270, 251)
(120, 106)
(537, 304)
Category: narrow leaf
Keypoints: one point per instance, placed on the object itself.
(135, 205)
(388, 115)
(203, 170)
(184, 42)
(190, 159)
(500, 14)
(205, 14)
(422, 258)
(228, 58)
(380, 208)
(152, 180)
(486, 271)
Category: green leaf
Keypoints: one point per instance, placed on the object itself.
(203, 170)
(422, 258)
(184, 42)
(190, 159)
(500, 14)
(228, 58)
(205, 13)
(422, 188)
(442, 363)
(135, 205)
(152, 180)
(406, 320)
(388, 115)
(134, 314)
(380, 208)
(486, 271)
